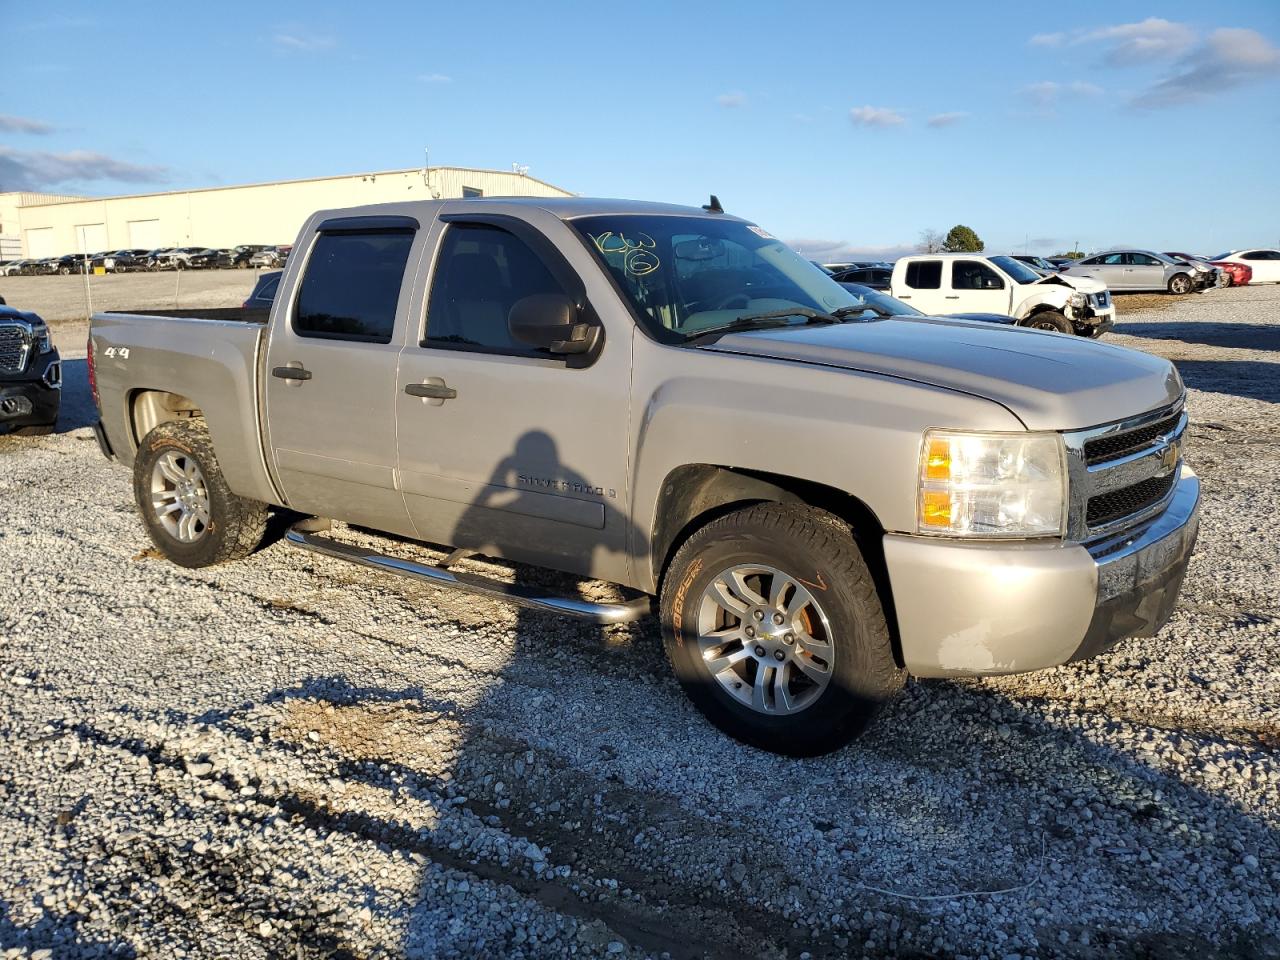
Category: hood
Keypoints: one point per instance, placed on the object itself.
(1048, 380)
(1083, 284)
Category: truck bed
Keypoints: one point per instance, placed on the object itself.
(207, 357)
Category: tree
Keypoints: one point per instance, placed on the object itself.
(962, 239)
(930, 241)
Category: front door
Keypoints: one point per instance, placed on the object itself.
(976, 288)
(504, 449)
(331, 380)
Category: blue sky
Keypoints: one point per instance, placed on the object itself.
(838, 126)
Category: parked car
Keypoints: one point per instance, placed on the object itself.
(241, 255)
(14, 268)
(264, 291)
(1207, 275)
(875, 277)
(674, 401)
(1240, 273)
(882, 304)
(1134, 270)
(209, 259)
(30, 374)
(1039, 264)
(1264, 263)
(942, 283)
(270, 257)
(121, 261)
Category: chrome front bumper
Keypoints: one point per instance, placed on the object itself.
(973, 609)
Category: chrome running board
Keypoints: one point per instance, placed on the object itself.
(469, 583)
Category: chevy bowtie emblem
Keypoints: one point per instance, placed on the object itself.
(1169, 457)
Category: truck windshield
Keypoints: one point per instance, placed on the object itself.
(685, 276)
(1019, 271)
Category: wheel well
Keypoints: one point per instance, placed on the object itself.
(697, 494)
(150, 408)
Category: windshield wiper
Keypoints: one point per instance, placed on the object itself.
(763, 321)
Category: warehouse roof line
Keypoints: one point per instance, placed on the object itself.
(276, 183)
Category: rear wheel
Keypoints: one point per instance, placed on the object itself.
(191, 514)
(1049, 320)
(774, 628)
(1180, 283)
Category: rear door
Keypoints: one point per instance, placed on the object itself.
(522, 454)
(1110, 269)
(976, 288)
(331, 373)
(922, 287)
(1145, 272)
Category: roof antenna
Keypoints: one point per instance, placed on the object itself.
(713, 206)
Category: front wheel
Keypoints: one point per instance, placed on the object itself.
(1180, 283)
(191, 514)
(1049, 320)
(775, 630)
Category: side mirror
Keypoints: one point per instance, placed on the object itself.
(549, 321)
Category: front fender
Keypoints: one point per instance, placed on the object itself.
(852, 431)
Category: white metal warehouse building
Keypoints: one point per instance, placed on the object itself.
(41, 225)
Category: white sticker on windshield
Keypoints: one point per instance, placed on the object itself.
(761, 232)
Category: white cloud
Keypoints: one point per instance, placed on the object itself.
(1230, 57)
(12, 124)
(876, 117)
(946, 119)
(37, 170)
(1134, 43)
(308, 42)
(1048, 39)
(434, 78)
(732, 100)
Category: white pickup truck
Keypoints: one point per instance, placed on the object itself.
(946, 283)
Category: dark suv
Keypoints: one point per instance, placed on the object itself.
(30, 374)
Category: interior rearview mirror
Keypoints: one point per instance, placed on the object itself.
(550, 321)
(700, 248)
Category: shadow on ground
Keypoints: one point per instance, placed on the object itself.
(1242, 378)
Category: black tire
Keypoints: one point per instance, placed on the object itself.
(791, 538)
(1049, 320)
(1180, 284)
(236, 524)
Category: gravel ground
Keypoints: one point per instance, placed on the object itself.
(290, 756)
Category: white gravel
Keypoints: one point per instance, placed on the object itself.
(293, 757)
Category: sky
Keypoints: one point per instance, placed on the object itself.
(845, 128)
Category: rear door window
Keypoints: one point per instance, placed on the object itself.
(924, 274)
(352, 285)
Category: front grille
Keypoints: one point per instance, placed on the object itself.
(13, 349)
(1116, 445)
(1128, 500)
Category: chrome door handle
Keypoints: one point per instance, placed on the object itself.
(433, 389)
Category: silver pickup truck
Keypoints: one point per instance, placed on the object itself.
(823, 499)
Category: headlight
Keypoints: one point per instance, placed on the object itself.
(992, 484)
(1077, 300)
(44, 341)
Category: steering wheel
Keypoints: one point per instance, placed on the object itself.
(729, 302)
